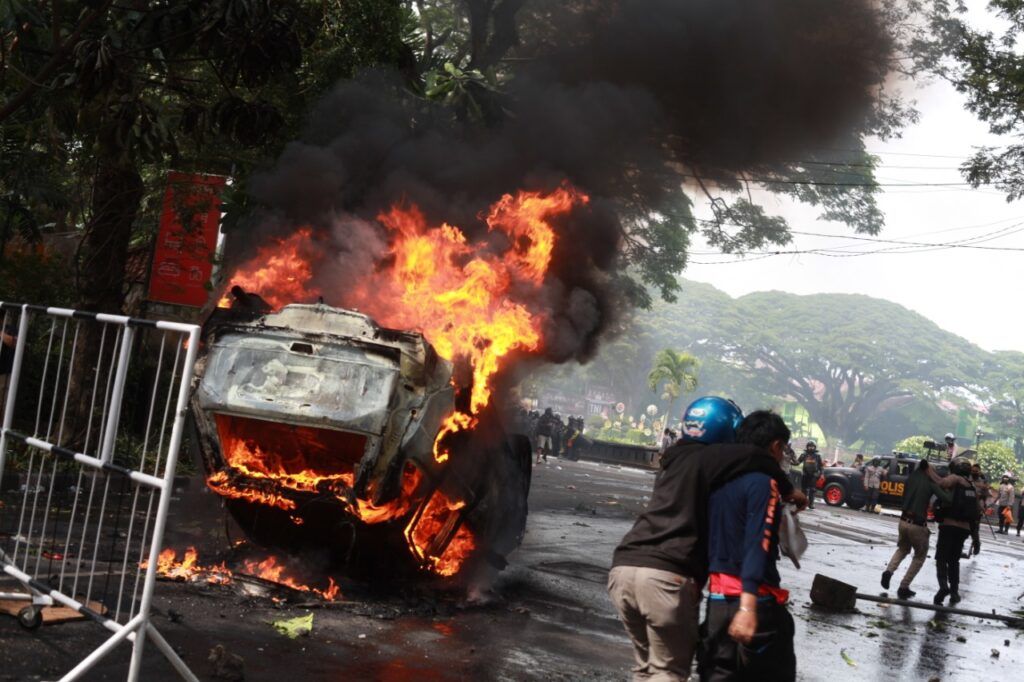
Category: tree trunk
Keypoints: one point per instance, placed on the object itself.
(103, 256)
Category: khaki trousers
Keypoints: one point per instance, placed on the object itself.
(911, 537)
(660, 611)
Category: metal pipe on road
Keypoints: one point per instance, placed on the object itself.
(834, 594)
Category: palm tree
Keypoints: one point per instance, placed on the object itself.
(676, 372)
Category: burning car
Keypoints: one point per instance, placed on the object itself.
(328, 429)
(320, 430)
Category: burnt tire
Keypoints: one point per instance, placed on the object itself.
(500, 518)
(834, 494)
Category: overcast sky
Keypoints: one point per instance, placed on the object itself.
(972, 292)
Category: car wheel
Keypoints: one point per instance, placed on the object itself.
(854, 505)
(835, 494)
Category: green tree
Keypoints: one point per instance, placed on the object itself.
(995, 458)
(913, 445)
(1006, 411)
(841, 356)
(676, 373)
(988, 68)
(852, 362)
(98, 99)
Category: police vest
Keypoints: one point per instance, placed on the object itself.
(964, 506)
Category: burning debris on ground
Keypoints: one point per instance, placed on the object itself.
(269, 570)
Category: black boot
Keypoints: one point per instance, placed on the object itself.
(905, 593)
(886, 578)
(940, 596)
(954, 597)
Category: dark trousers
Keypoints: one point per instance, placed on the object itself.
(1020, 516)
(872, 498)
(947, 556)
(809, 483)
(768, 658)
(1004, 527)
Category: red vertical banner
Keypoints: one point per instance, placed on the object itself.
(187, 240)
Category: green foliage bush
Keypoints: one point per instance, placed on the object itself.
(913, 445)
(995, 458)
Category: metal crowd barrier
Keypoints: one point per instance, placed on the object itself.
(617, 453)
(92, 424)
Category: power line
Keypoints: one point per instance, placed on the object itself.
(905, 247)
(965, 244)
(826, 183)
(880, 153)
(856, 164)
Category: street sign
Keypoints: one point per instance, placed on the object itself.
(185, 244)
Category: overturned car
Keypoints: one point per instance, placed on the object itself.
(318, 429)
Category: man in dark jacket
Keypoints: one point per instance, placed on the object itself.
(545, 434)
(810, 466)
(659, 568)
(913, 528)
(749, 630)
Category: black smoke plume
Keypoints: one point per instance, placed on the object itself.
(634, 99)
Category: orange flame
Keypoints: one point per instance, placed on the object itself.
(220, 483)
(440, 512)
(269, 569)
(252, 462)
(279, 272)
(459, 295)
(467, 299)
(189, 569)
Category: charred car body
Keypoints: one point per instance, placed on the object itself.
(317, 427)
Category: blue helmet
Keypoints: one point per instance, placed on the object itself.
(711, 420)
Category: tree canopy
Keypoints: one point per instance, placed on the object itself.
(99, 99)
(865, 369)
(995, 459)
(988, 68)
(845, 358)
(913, 445)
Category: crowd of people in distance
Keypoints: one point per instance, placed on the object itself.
(549, 433)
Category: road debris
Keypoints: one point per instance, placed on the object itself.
(295, 627)
(226, 665)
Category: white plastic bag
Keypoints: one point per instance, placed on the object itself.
(792, 541)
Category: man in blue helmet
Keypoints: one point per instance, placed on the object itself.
(661, 565)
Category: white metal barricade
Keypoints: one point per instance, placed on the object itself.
(92, 425)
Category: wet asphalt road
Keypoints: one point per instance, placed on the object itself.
(550, 619)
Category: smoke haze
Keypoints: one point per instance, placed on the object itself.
(637, 97)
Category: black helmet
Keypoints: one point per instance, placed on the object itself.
(961, 466)
(811, 445)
